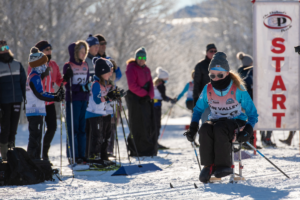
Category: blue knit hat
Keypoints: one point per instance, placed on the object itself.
(91, 40)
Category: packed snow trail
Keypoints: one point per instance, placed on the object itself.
(180, 168)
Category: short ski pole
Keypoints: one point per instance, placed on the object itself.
(195, 150)
(61, 123)
(130, 132)
(124, 135)
(266, 158)
(162, 133)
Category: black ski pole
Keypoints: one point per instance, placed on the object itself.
(117, 140)
(266, 158)
(130, 133)
(124, 135)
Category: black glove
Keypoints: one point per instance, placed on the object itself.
(68, 74)
(112, 95)
(59, 95)
(46, 73)
(191, 133)
(144, 99)
(245, 135)
(173, 101)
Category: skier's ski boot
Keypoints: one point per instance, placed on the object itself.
(287, 142)
(206, 173)
(223, 171)
(268, 143)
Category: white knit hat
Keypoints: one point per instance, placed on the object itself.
(161, 73)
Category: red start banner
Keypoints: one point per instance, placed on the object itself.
(276, 67)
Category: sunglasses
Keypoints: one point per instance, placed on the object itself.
(103, 43)
(213, 51)
(213, 76)
(141, 58)
(3, 48)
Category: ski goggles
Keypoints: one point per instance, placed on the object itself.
(213, 76)
(142, 58)
(3, 48)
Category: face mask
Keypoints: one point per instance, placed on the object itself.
(40, 69)
(49, 57)
(221, 84)
(6, 58)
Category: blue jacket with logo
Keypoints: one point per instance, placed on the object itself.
(241, 96)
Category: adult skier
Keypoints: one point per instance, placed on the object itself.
(12, 93)
(226, 96)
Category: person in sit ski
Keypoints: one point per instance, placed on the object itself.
(36, 97)
(189, 89)
(159, 96)
(96, 115)
(231, 108)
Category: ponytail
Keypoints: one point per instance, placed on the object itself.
(237, 80)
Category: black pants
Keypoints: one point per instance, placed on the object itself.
(190, 104)
(9, 122)
(157, 120)
(141, 126)
(100, 132)
(215, 141)
(50, 120)
(111, 141)
(35, 127)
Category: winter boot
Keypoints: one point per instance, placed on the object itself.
(268, 143)
(223, 171)
(206, 173)
(288, 141)
(4, 149)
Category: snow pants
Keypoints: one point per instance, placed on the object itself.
(100, 132)
(79, 109)
(111, 141)
(215, 141)
(190, 104)
(9, 122)
(35, 127)
(157, 120)
(141, 126)
(50, 120)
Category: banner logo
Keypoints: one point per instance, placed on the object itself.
(278, 21)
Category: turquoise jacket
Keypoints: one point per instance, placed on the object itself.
(242, 97)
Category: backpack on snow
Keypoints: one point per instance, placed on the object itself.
(23, 170)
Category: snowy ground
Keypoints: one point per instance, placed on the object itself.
(180, 168)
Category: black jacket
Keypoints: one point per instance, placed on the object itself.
(12, 82)
(201, 77)
(243, 72)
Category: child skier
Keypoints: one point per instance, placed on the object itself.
(231, 107)
(96, 114)
(189, 89)
(35, 106)
(159, 96)
(77, 71)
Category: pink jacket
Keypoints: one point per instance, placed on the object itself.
(137, 77)
(54, 77)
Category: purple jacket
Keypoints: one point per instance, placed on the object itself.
(77, 93)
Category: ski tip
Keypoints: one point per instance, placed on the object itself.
(195, 185)
(171, 185)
